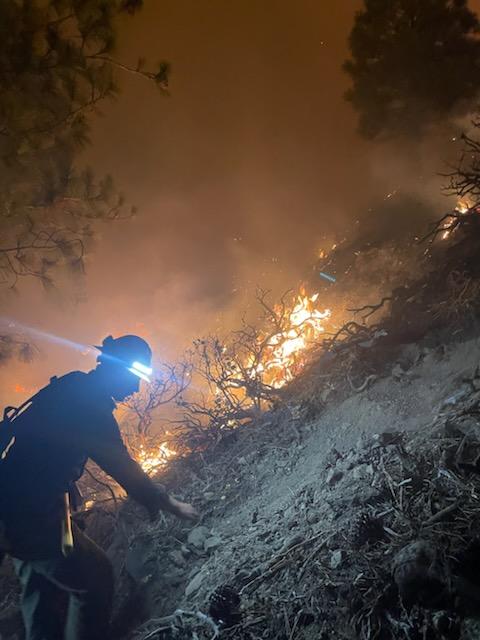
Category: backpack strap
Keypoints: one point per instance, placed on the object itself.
(11, 413)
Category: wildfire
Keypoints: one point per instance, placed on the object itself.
(151, 461)
(463, 207)
(285, 353)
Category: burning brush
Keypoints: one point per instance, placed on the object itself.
(463, 207)
(154, 459)
(300, 327)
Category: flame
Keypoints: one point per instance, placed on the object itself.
(151, 461)
(286, 351)
(463, 206)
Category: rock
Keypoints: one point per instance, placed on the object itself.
(195, 584)
(197, 536)
(352, 460)
(410, 355)
(173, 578)
(209, 495)
(333, 456)
(446, 624)
(242, 460)
(358, 473)
(398, 372)
(333, 476)
(336, 559)
(419, 574)
(387, 438)
(140, 561)
(455, 398)
(212, 543)
(362, 472)
(177, 558)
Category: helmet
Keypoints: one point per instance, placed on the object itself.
(129, 351)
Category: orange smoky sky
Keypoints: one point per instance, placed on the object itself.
(239, 175)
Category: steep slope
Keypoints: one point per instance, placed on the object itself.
(302, 520)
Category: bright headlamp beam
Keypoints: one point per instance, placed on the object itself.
(142, 368)
(141, 371)
(15, 326)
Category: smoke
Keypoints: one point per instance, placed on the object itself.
(249, 168)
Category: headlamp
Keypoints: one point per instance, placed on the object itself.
(141, 371)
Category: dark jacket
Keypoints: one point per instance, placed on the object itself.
(70, 421)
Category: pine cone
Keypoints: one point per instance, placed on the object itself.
(366, 529)
(225, 606)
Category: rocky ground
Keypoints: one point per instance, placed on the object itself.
(359, 524)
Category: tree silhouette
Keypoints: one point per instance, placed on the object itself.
(413, 63)
(57, 65)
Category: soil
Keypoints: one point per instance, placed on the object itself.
(287, 490)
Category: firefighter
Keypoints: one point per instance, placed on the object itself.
(66, 423)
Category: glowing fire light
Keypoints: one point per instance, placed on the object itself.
(463, 207)
(284, 354)
(286, 351)
(153, 460)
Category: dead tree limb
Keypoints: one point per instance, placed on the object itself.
(370, 308)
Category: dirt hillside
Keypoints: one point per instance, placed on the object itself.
(304, 520)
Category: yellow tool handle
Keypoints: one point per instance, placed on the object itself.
(67, 533)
